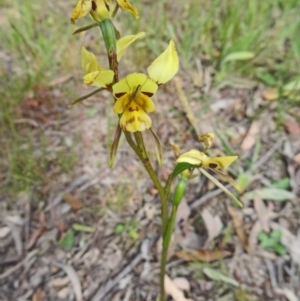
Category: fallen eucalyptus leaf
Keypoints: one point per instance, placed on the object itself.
(202, 255)
(269, 193)
(216, 275)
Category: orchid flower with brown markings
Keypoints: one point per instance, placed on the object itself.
(134, 92)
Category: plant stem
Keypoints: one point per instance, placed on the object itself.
(164, 256)
(164, 210)
(146, 162)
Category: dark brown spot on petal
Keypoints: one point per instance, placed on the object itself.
(143, 121)
(133, 108)
(213, 165)
(94, 5)
(118, 95)
(131, 120)
(149, 94)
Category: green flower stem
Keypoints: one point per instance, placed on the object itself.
(132, 144)
(178, 194)
(168, 184)
(164, 256)
(164, 210)
(146, 162)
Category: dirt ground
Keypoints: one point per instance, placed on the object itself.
(104, 263)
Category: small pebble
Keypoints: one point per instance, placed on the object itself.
(64, 293)
(4, 232)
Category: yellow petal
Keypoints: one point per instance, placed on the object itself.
(124, 42)
(218, 162)
(89, 62)
(134, 119)
(131, 82)
(121, 88)
(145, 102)
(149, 87)
(82, 8)
(99, 78)
(193, 157)
(121, 104)
(100, 10)
(125, 5)
(136, 79)
(165, 66)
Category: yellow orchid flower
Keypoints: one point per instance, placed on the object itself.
(200, 159)
(95, 74)
(125, 5)
(99, 10)
(133, 101)
(216, 164)
(134, 91)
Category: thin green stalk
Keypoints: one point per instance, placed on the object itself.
(132, 144)
(164, 256)
(168, 185)
(164, 211)
(155, 180)
(163, 263)
(178, 194)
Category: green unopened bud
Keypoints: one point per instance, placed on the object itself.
(109, 36)
(179, 190)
